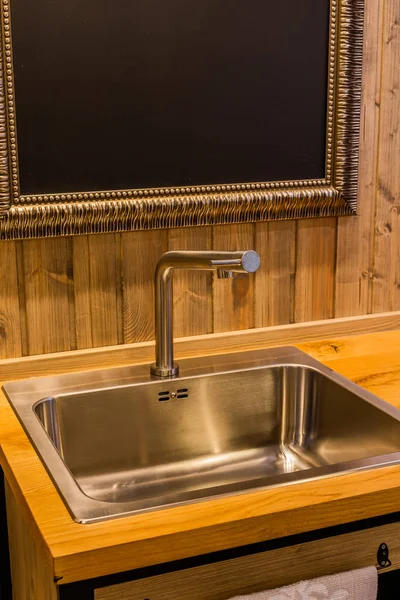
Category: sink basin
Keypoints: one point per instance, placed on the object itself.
(116, 442)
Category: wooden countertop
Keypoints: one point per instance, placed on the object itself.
(76, 551)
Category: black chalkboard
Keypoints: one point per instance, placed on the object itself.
(114, 94)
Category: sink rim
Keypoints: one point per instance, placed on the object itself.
(25, 395)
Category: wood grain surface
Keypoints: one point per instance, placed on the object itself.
(355, 240)
(386, 290)
(275, 279)
(10, 321)
(193, 297)
(32, 576)
(97, 290)
(234, 298)
(263, 571)
(84, 551)
(315, 274)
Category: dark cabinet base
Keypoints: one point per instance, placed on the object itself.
(389, 586)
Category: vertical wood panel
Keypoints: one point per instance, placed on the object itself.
(315, 277)
(82, 292)
(140, 253)
(47, 273)
(386, 283)
(234, 298)
(10, 318)
(192, 289)
(274, 283)
(262, 291)
(355, 234)
(22, 298)
(103, 284)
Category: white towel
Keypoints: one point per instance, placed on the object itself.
(361, 584)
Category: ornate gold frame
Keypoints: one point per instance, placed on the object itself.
(122, 210)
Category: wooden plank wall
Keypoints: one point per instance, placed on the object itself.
(89, 291)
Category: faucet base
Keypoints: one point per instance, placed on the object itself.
(164, 372)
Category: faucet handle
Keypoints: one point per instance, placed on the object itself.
(251, 261)
(237, 262)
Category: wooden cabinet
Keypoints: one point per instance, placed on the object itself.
(216, 576)
(31, 575)
(5, 577)
(263, 570)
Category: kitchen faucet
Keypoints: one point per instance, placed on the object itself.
(226, 264)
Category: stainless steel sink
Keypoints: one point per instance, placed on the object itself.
(116, 442)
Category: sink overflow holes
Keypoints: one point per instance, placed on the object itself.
(167, 395)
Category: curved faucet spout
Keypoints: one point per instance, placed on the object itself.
(226, 264)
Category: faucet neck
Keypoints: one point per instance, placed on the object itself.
(164, 365)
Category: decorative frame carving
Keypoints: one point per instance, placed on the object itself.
(23, 216)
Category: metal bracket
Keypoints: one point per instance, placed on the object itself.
(383, 557)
